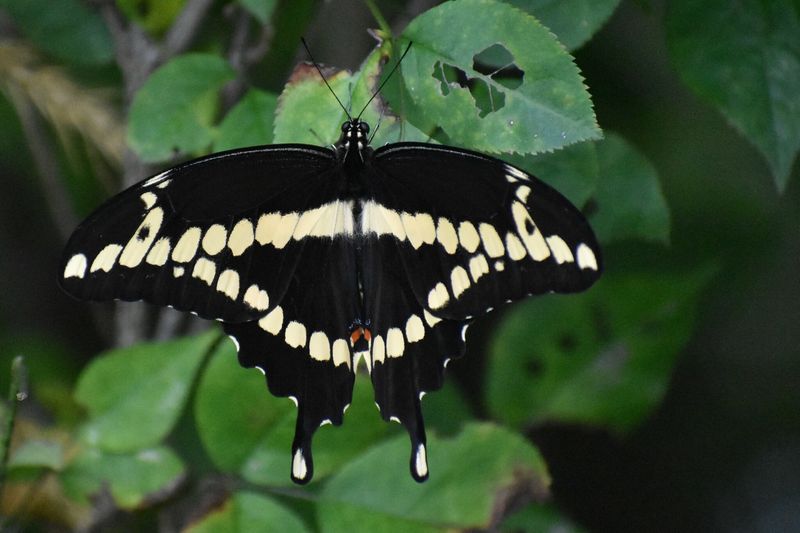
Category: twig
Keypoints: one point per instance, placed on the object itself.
(185, 27)
(17, 392)
(47, 165)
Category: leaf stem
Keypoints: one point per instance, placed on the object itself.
(379, 18)
(17, 391)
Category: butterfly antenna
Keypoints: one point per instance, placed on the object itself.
(376, 93)
(321, 75)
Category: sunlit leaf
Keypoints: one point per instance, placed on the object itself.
(175, 108)
(468, 473)
(134, 395)
(496, 111)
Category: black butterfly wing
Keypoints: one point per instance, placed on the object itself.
(454, 234)
(255, 238)
(215, 236)
(475, 232)
(409, 348)
(302, 345)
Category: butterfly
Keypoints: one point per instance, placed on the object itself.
(315, 259)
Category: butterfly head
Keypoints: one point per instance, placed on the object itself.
(354, 142)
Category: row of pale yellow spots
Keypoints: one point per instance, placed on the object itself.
(331, 220)
(321, 348)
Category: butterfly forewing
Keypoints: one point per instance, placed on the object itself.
(475, 232)
(215, 236)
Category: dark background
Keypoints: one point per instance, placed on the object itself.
(722, 451)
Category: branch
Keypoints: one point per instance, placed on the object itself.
(185, 27)
(47, 165)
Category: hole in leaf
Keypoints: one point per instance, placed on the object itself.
(497, 67)
(498, 63)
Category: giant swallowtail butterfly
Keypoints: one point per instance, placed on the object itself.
(315, 259)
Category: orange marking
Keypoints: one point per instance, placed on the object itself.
(358, 333)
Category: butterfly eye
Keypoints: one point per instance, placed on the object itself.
(345, 126)
(364, 127)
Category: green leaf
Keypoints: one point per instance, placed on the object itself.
(602, 357)
(133, 480)
(629, 201)
(536, 518)
(135, 395)
(549, 109)
(446, 410)
(468, 474)
(307, 111)
(246, 512)
(260, 9)
(175, 108)
(66, 29)
(36, 454)
(333, 446)
(744, 58)
(573, 170)
(573, 21)
(248, 431)
(233, 409)
(249, 123)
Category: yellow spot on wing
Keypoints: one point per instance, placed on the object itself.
(395, 346)
(561, 252)
(205, 270)
(459, 281)
(438, 297)
(586, 257)
(533, 238)
(106, 258)
(491, 240)
(242, 237)
(415, 329)
(228, 284)
(159, 253)
(76, 266)
(516, 250)
(134, 251)
(341, 352)
(214, 239)
(187, 245)
(273, 321)
(378, 349)
(319, 347)
(468, 236)
(478, 266)
(266, 228)
(295, 335)
(256, 298)
(446, 235)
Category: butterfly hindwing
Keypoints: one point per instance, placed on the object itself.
(303, 344)
(409, 347)
(475, 233)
